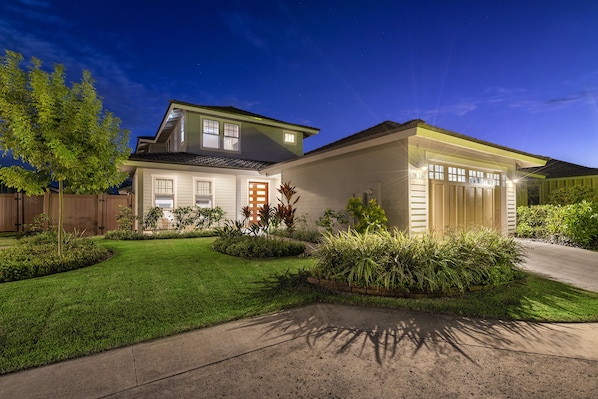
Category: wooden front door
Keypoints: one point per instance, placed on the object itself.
(258, 196)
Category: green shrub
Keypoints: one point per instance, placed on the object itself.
(35, 256)
(368, 216)
(125, 218)
(574, 224)
(573, 195)
(425, 262)
(332, 220)
(257, 247)
(150, 220)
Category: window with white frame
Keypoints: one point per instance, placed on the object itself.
(456, 174)
(164, 193)
(231, 137)
(436, 172)
(223, 136)
(493, 179)
(476, 177)
(204, 197)
(211, 133)
(290, 137)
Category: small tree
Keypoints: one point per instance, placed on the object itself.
(62, 132)
(331, 220)
(150, 220)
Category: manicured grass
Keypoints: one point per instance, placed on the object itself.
(151, 289)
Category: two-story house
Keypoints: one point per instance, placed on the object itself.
(425, 177)
(211, 156)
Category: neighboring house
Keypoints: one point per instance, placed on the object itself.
(212, 156)
(536, 184)
(425, 178)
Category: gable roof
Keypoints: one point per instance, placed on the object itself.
(558, 169)
(185, 158)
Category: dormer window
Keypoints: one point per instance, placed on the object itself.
(223, 136)
(290, 137)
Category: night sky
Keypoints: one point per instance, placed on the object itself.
(518, 73)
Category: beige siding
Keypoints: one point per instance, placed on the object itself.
(511, 207)
(548, 186)
(418, 200)
(378, 172)
(230, 189)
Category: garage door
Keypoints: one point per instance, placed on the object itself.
(463, 198)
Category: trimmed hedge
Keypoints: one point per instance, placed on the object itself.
(574, 224)
(257, 247)
(133, 235)
(36, 256)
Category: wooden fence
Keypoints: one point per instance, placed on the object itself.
(94, 213)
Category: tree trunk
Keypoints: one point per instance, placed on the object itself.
(60, 211)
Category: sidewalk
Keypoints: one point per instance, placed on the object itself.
(333, 351)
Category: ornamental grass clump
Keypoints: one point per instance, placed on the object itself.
(393, 260)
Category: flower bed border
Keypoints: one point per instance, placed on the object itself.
(345, 287)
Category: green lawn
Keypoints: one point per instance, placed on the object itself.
(151, 289)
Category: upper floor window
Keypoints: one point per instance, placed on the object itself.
(164, 193)
(231, 137)
(290, 137)
(223, 136)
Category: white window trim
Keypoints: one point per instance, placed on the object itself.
(174, 190)
(288, 133)
(221, 136)
(213, 185)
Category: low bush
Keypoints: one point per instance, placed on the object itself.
(425, 262)
(35, 256)
(168, 234)
(257, 247)
(306, 235)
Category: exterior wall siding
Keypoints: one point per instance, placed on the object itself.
(379, 172)
(229, 188)
(418, 200)
(511, 211)
(257, 141)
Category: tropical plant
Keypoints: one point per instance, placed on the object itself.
(62, 132)
(286, 208)
(207, 217)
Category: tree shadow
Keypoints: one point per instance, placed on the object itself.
(390, 333)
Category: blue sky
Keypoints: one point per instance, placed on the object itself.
(523, 74)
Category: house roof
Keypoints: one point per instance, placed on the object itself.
(185, 158)
(174, 113)
(557, 169)
(389, 127)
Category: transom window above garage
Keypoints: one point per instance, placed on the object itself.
(456, 174)
(436, 172)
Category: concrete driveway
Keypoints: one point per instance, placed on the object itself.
(575, 266)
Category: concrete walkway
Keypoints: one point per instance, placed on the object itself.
(332, 351)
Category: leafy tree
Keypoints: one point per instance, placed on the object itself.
(62, 132)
